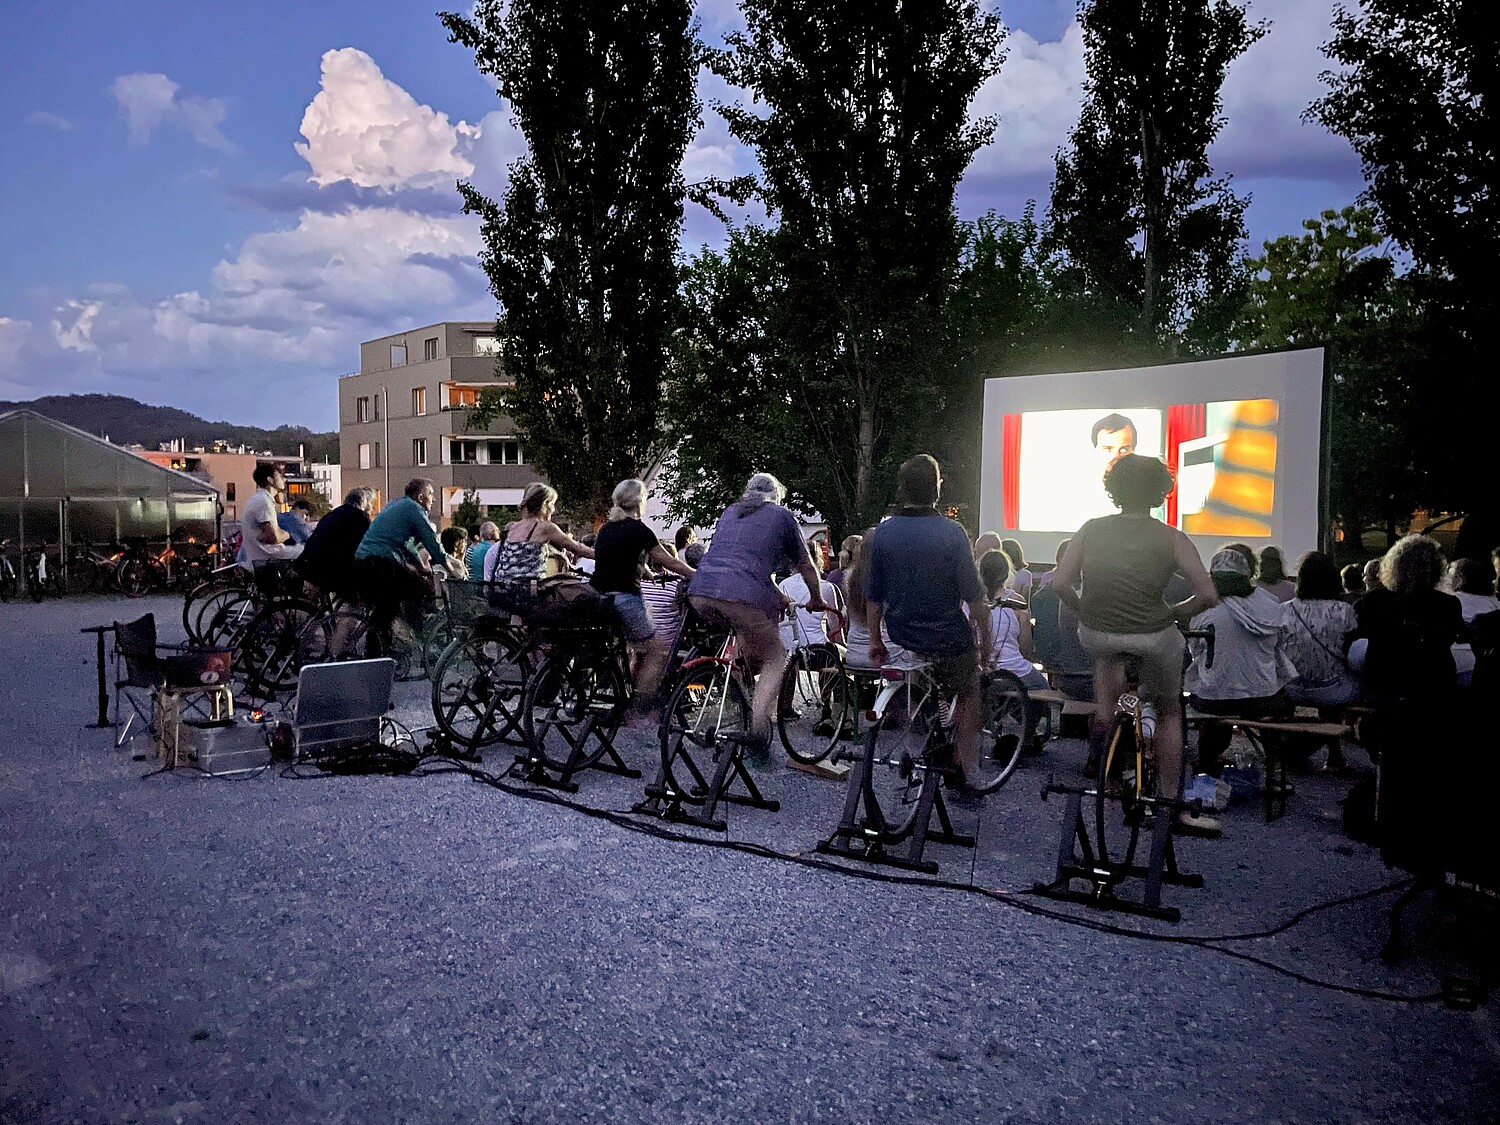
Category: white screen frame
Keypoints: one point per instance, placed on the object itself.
(1294, 378)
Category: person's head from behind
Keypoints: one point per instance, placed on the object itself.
(995, 573)
(1413, 565)
(628, 499)
(421, 490)
(693, 553)
(846, 551)
(539, 501)
(1372, 575)
(1470, 576)
(1272, 566)
(763, 488)
(1352, 577)
(453, 539)
(815, 552)
(1317, 577)
(1231, 574)
(1114, 437)
(489, 531)
(1137, 484)
(267, 475)
(303, 508)
(358, 498)
(854, 581)
(987, 541)
(919, 482)
(1012, 547)
(685, 536)
(1245, 550)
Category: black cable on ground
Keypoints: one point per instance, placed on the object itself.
(1017, 899)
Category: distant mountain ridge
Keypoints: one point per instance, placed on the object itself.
(126, 422)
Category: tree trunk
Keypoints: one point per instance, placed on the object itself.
(1150, 222)
(864, 464)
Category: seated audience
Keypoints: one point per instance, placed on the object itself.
(1023, 579)
(801, 628)
(846, 555)
(1372, 574)
(1318, 622)
(1403, 645)
(489, 535)
(1010, 624)
(1474, 587)
(1054, 636)
(1251, 669)
(1044, 579)
(1352, 578)
(1271, 575)
(987, 541)
(857, 639)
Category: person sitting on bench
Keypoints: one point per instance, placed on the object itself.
(1251, 669)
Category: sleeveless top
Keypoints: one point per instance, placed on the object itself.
(518, 566)
(1127, 563)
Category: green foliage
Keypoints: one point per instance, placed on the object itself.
(863, 137)
(1337, 286)
(1410, 96)
(582, 255)
(1148, 234)
(467, 512)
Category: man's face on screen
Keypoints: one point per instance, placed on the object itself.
(1114, 444)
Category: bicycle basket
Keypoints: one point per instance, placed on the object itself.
(568, 603)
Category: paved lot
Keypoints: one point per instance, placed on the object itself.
(430, 949)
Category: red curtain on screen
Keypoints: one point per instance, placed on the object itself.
(1184, 423)
(1010, 469)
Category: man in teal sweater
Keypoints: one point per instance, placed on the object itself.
(388, 570)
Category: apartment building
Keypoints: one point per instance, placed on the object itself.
(231, 473)
(405, 414)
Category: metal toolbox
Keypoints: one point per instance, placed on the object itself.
(225, 748)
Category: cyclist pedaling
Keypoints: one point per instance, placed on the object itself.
(388, 571)
(920, 577)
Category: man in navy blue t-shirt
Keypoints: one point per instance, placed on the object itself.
(921, 574)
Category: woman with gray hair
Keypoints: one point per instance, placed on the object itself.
(619, 549)
(1408, 625)
(754, 537)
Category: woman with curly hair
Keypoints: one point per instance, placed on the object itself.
(1407, 626)
(1125, 563)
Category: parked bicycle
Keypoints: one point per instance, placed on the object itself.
(10, 577)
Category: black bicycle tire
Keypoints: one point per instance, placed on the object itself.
(259, 660)
(130, 566)
(887, 831)
(682, 776)
(229, 622)
(787, 719)
(1102, 790)
(580, 671)
(488, 732)
(1003, 748)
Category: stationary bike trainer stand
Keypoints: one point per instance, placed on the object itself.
(864, 832)
(1080, 857)
(670, 803)
(533, 769)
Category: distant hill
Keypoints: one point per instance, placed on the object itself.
(125, 421)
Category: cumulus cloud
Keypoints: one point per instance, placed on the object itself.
(364, 128)
(43, 119)
(149, 101)
(1036, 95)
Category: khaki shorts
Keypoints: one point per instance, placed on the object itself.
(1160, 655)
(958, 674)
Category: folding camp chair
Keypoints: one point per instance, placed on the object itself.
(340, 705)
(153, 678)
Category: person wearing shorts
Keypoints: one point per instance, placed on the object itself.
(1125, 564)
(622, 545)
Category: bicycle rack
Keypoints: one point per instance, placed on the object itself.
(1078, 855)
(864, 832)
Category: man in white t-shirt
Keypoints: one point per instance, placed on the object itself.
(810, 628)
(261, 537)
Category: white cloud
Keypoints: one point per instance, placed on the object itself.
(150, 101)
(364, 128)
(46, 120)
(1036, 95)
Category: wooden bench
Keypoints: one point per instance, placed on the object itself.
(1277, 785)
(1069, 705)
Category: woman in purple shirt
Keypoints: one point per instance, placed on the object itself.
(753, 537)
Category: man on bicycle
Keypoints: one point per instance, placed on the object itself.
(262, 538)
(388, 570)
(920, 577)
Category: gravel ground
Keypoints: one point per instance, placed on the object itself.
(366, 950)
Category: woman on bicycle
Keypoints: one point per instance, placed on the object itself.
(753, 537)
(619, 549)
(1125, 563)
(1010, 625)
(519, 561)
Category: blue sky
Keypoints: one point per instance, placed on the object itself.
(211, 205)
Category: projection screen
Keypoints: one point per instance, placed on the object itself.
(1242, 435)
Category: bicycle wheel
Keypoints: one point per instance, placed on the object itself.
(1007, 710)
(438, 632)
(908, 735)
(813, 707)
(334, 635)
(36, 588)
(133, 576)
(227, 626)
(269, 654)
(706, 712)
(572, 708)
(1118, 757)
(477, 688)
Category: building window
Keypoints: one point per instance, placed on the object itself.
(419, 400)
(362, 409)
(398, 355)
(375, 414)
(505, 453)
(462, 397)
(429, 348)
(463, 452)
(364, 455)
(419, 451)
(377, 455)
(486, 345)
(229, 491)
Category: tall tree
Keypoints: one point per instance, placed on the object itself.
(863, 139)
(1411, 96)
(1337, 286)
(1149, 233)
(582, 256)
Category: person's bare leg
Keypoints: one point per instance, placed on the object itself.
(1168, 747)
(768, 657)
(652, 662)
(1109, 684)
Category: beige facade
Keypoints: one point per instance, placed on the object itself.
(231, 473)
(405, 414)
